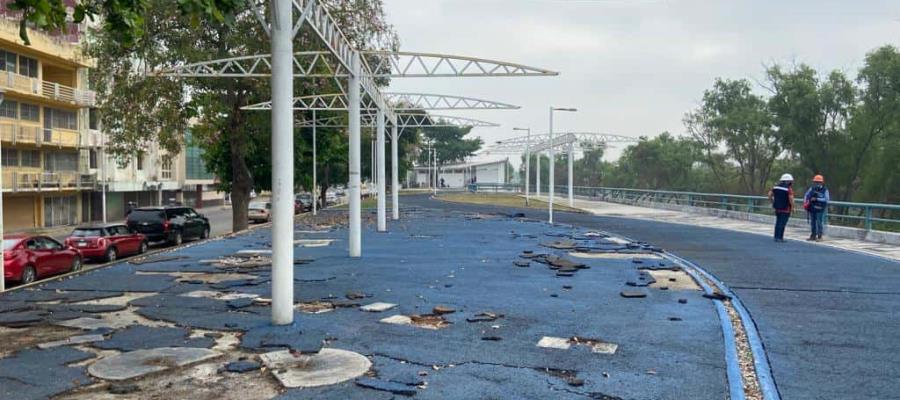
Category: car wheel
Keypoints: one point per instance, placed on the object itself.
(205, 233)
(178, 239)
(111, 254)
(28, 275)
(76, 264)
(143, 248)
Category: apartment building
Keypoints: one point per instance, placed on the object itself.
(43, 127)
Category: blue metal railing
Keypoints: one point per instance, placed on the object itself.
(867, 216)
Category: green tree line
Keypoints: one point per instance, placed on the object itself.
(742, 136)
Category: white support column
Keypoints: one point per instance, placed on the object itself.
(395, 171)
(435, 171)
(354, 124)
(527, 165)
(103, 174)
(551, 190)
(282, 163)
(379, 156)
(571, 168)
(537, 183)
(315, 187)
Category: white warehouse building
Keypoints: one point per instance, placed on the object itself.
(460, 175)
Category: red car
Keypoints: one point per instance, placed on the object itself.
(27, 258)
(107, 242)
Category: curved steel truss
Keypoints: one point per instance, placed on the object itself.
(541, 142)
(397, 102)
(403, 121)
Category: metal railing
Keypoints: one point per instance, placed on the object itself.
(16, 181)
(14, 133)
(866, 216)
(52, 90)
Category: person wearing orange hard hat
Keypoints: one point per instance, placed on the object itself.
(815, 201)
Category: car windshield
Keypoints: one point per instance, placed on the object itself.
(146, 215)
(10, 243)
(82, 232)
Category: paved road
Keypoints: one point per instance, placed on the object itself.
(828, 318)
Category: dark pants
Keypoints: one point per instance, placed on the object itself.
(781, 220)
(817, 223)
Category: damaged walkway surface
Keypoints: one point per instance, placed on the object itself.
(448, 305)
(827, 317)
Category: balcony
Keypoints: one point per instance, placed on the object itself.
(18, 133)
(16, 181)
(49, 90)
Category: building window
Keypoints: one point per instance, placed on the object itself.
(194, 167)
(61, 119)
(7, 61)
(28, 67)
(139, 161)
(10, 158)
(92, 159)
(60, 211)
(93, 118)
(9, 109)
(166, 168)
(60, 161)
(30, 112)
(30, 158)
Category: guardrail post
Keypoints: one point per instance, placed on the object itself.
(868, 222)
(750, 206)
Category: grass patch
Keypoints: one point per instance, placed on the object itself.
(499, 199)
(369, 202)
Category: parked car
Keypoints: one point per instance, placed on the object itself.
(28, 257)
(330, 198)
(306, 201)
(170, 224)
(107, 242)
(259, 212)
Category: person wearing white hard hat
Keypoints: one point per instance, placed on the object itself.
(782, 197)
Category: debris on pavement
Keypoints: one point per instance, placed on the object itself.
(387, 386)
(242, 366)
(80, 339)
(377, 307)
(328, 367)
(142, 362)
(632, 294)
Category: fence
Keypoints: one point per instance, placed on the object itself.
(866, 216)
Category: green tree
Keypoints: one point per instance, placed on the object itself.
(451, 143)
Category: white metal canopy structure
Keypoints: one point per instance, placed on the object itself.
(571, 140)
(340, 60)
(403, 121)
(398, 102)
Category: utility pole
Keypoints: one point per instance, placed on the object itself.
(527, 160)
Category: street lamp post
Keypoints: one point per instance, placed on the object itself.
(315, 189)
(553, 160)
(527, 160)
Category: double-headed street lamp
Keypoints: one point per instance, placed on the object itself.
(527, 160)
(553, 159)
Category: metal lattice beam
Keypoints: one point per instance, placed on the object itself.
(535, 143)
(403, 121)
(402, 64)
(397, 102)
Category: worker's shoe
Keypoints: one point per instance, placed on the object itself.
(812, 238)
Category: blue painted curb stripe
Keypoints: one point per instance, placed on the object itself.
(761, 361)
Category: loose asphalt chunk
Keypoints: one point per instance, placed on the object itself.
(291, 337)
(19, 373)
(39, 295)
(441, 310)
(242, 366)
(137, 337)
(387, 386)
(142, 362)
(632, 294)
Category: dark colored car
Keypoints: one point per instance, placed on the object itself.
(170, 224)
(107, 242)
(27, 258)
(305, 200)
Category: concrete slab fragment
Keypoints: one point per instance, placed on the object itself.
(211, 294)
(328, 367)
(72, 340)
(313, 242)
(377, 307)
(397, 320)
(87, 323)
(550, 342)
(142, 362)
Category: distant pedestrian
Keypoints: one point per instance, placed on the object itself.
(782, 198)
(442, 183)
(815, 201)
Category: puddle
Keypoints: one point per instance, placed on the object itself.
(672, 279)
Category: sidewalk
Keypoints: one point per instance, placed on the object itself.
(677, 217)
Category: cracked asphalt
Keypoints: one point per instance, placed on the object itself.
(828, 318)
(667, 349)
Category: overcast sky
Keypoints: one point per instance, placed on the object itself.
(631, 67)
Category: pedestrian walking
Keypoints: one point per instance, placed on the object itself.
(815, 201)
(782, 197)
